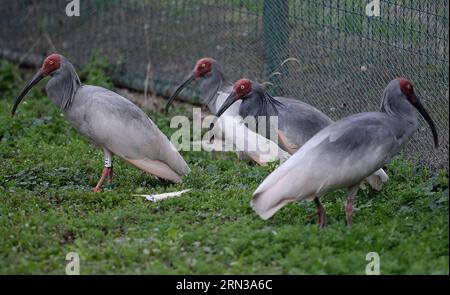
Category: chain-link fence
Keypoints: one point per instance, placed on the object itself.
(343, 57)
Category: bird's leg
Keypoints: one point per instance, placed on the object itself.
(352, 191)
(107, 171)
(321, 213)
(110, 175)
(108, 164)
(349, 211)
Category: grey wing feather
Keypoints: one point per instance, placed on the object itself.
(301, 121)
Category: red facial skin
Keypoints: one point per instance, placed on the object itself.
(51, 64)
(203, 67)
(242, 87)
(407, 88)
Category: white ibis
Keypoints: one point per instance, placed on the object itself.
(297, 121)
(111, 122)
(344, 153)
(214, 90)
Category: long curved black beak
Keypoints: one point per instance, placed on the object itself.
(188, 80)
(38, 77)
(226, 104)
(418, 105)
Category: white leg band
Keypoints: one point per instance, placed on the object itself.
(108, 158)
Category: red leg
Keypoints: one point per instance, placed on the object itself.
(352, 191)
(349, 211)
(105, 172)
(321, 213)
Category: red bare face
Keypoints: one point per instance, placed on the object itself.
(407, 88)
(51, 64)
(242, 87)
(203, 67)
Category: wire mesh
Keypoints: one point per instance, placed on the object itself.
(343, 57)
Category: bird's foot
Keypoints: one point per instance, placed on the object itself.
(322, 218)
(321, 212)
(95, 189)
(107, 172)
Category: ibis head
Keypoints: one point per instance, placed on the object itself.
(50, 65)
(203, 68)
(256, 101)
(241, 90)
(398, 97)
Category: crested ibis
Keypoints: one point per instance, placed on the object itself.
(111, 122)
(344, 153)
(297, 121)
(214, 90)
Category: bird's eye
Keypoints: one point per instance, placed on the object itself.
(203, 65)
(51, 62)
(242, 87)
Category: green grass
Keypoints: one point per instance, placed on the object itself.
(47, 209)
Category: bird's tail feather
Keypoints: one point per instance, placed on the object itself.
(175, 161)
(266, 204)
(377, 179)
(156, 168)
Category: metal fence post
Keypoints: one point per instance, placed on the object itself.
(276, 39)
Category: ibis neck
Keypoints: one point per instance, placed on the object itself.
(63, 85)
(209, 87)
(403, 115)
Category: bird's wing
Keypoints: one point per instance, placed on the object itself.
(339, 156)
(123, 128)
(304, 121)
(298, 123)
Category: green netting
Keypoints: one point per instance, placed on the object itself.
(344, 58)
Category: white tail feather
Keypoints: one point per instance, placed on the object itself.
(267, 202)
(156, 168)
(377, 179)
(261, 205)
